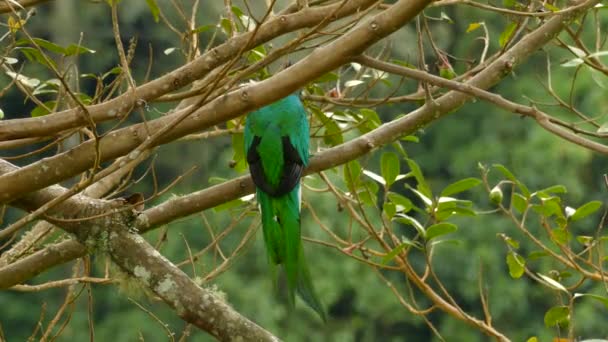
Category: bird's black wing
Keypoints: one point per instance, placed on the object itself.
(292, 168)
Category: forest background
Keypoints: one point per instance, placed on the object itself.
(482, 247)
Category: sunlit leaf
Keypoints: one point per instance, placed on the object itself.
(473, 26)
(516, 264)
(169, 50)
(552, 283)
(506, 35)
(353, 83)
(374, 176)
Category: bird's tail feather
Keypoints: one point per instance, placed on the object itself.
(281, 225)
(306, 290)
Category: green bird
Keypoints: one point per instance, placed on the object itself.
(276, 146)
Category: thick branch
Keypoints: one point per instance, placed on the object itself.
(68, 164)
(111, 234)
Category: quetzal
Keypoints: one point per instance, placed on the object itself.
(276, 146)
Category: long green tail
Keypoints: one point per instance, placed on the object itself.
(281, 226)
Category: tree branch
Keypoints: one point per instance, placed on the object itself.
(182, 76)
(111, 234)
(7, 7)
(68, 164)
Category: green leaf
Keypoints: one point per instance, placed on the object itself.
(427, 201)
(516, 264)
(238, 147)
(390, 209)
(602, 299)
(555, 189)
(374, 176)
(422, 186)
(35, 55)
(510, 176)
(390, 167)
(460, 186)
(403, 203)
(226, 26)
(352, 175)
(552, 283)
(506, 35)
(43, 110)
(440, 229)
(473, 26)
(408, 220)
(537, 255)
(228, 205)
(393, 253)
(74, 49)
(519, 202)
(329, 77)
(561, 236)
(333, 133)
(586, 210)
(557, 315)
(512, 242)
(204, 28)
(509, 3)
(444, 213)
(584, 240)
(43, 43)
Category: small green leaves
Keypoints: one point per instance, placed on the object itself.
(586, 210)
(516, 264)
(440, 229)
(460, 186)
(474, 26)
(557, 315)
(154, 9)
(389, 167)
(506, 35)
